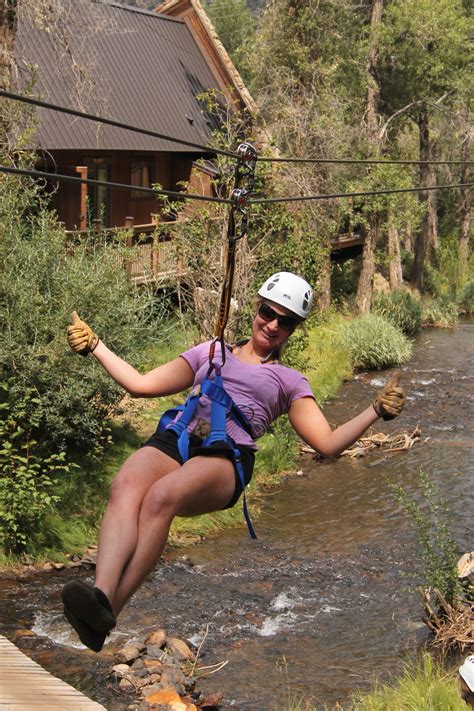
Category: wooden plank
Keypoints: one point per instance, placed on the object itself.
(26, 686)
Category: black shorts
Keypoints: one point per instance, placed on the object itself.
(167, 443)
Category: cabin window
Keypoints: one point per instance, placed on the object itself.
(141, 175)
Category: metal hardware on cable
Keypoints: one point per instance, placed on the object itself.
(244, 183)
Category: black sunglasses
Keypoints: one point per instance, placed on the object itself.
(287, 323)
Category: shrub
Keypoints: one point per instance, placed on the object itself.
(373, 342)
(466, 299)
(439, 555)
(27, 479)
(53, 401)
(440, 312)
(43, 278)
(400, 308)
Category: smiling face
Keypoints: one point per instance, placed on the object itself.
(271, 326)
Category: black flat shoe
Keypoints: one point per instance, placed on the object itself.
(89, 605)
(89, 637)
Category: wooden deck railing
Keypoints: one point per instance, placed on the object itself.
(157, 259)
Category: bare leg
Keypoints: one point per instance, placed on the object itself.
(201, 485)
(119, 529)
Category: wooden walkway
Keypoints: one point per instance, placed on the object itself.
(25, 686)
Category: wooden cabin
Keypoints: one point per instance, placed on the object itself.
(145, 69)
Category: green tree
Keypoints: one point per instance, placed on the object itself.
(235, 27)
(423, 70)
(307, 81)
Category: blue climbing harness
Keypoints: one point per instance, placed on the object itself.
(221, 406)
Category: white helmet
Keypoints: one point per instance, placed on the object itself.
(466, 671)
(290, 291)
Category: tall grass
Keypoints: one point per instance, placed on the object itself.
(399, 307)
(327, 357)
(373, 342)
(440, 312)
(466, 298)
(423, 686)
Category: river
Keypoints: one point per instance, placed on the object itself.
(320, 604)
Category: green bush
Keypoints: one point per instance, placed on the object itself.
(440, 312)
(28, 480)
(55, 404)
(466, 299)
(400, 308)
(373, 342)
(42, 279)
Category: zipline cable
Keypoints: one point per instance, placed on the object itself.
(104, 184)
(112, 122)
(219, 151)
(365, 161)
(223, 201)
(367, 193)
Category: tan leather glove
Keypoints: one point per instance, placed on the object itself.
(391, 399)
(80, 336)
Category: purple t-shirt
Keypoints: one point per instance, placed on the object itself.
(263, 392)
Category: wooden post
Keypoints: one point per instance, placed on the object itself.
(83, 171)
(97, 224)
(129, 226)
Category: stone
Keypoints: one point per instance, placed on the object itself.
(152, 689)
(130, 652)
(121, 669)
(154, 678)
(125, 684)
(139, 663)
(24, 633)
(153, 665)
(47, 566)
(211, 701)
(59, 566)
(157, 638)
(167, 697)
(141, 673)
(179, 649)
(153, 651)
(465, 565)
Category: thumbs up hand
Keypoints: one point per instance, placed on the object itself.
(391, 399)
(80, 336)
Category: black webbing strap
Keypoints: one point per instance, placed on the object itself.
(244, 175)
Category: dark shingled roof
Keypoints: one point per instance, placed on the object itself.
(119, 62)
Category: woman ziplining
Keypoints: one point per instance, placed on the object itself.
(201, 457)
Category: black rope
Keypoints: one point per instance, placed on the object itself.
(105, 184)
(366, 161)
(368, 193)
(218, 151)
(111, 122)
